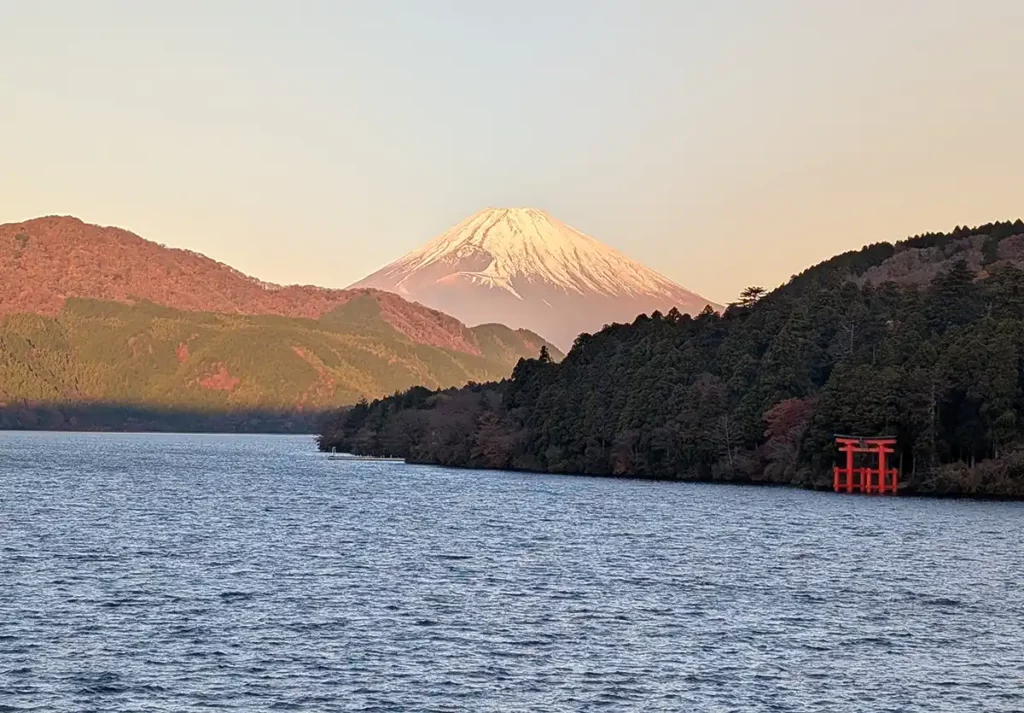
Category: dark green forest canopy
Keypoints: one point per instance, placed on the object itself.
(923, 339)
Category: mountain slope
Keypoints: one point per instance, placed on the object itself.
(523, 268)
(45, 261)
(150, 355)
(100, 326)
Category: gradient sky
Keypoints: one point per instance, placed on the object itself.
(723, 143)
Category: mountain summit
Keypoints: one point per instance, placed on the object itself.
(523, 268)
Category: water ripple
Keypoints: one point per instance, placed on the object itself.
(239, 573)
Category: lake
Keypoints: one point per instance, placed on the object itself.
(144, 572)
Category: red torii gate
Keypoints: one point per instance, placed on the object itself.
(852, 479)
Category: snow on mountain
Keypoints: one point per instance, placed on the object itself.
(523, 268)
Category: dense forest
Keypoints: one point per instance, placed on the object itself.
(104, 364)
(922, 339)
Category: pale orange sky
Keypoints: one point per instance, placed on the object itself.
(723, 144)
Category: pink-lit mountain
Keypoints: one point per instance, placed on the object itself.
(523, 268)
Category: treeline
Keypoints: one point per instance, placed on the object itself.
(122, 417)
(755, 395)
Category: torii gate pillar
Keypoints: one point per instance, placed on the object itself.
(851, 479)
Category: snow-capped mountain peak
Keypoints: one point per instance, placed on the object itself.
(525, 243)
(528, 269)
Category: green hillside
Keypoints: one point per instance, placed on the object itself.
(146, 355)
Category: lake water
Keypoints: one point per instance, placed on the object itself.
(249, 573)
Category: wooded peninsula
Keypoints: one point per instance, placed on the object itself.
(922, 340)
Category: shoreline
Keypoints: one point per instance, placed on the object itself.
(904, 492)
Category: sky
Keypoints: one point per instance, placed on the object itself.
(724, 144)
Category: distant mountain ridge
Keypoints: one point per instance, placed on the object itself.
(45, 261)
(146, 354)
(98, 321)
(524, 268)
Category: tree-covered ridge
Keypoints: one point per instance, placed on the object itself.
(874, 341)
(155, 357)
(45, 261)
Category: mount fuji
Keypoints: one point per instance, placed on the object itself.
(525, 269)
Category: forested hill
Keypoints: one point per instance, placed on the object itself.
(102, 364)
(46, 261)
(923, 339)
